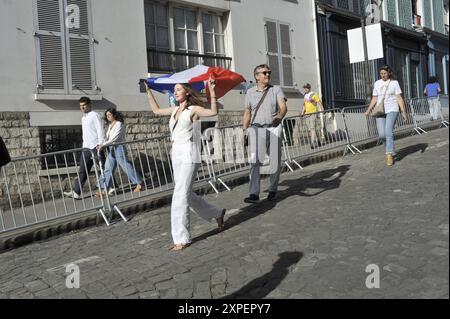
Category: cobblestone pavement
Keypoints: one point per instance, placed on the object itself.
(331, 220)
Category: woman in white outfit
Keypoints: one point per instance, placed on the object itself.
(387, 90)
(185, 165)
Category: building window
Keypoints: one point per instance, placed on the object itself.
(55, 139)
(181, 37)
(279, 52)
(64, 46)
(433, 15)
(213, 35)
(400, 12)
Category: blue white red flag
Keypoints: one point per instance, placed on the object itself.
(198, 77)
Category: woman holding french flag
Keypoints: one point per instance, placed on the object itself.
(185, 160)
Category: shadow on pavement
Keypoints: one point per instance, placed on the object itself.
(262, 286)
(410, 150)
(323, 181)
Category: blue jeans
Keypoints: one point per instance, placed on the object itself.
(385, 126)
(119, 154)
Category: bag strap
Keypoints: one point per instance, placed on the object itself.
(259, 104)
(385, 91)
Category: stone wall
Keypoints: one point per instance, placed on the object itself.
(20, 138)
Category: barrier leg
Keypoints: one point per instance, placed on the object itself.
(212, 185)
(120, 213)
(101, 211)
(296, 163)
(225, 185)
(288, 166)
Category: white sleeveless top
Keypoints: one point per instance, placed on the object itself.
(181, 133)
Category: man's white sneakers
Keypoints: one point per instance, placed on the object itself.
(72, 194)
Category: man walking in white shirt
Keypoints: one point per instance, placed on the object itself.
(93, 135)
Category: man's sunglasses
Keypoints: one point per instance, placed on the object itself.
(266, 72)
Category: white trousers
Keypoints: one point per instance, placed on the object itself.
(184, 173)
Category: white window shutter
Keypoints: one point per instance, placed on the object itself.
(286, 61)
(50, 46)
(272, 51)
(80, 53)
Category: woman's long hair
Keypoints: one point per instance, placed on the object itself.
(388, 69)
(192, 97)
(118, 116)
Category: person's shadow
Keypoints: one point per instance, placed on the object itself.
(322, 181)
(410, 150)
(262, 286)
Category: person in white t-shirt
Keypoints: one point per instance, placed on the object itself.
(93, 135)
(387, 89)
(117, 154)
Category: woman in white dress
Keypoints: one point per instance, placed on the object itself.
(185, 161)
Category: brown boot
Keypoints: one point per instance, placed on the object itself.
(389, 160)
(139, 187)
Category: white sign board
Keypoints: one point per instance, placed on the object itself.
(374, 42)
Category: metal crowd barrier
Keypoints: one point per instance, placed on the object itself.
(313, 133)
(31, 188)
(225, 153)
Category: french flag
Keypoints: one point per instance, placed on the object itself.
(198, 77)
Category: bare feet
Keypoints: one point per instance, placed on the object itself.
(179, 247)
(220, 222)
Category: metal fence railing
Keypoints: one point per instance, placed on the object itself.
(313, 133)
(31, 191)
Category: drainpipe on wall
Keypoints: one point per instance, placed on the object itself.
(316, 47)
(329, 61)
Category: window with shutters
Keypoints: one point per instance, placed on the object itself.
(438, 16)
(405, 13)
(65, 56)
(433, 15)
(180, 37)
(400, 12)
(279, 52)
(356, 6)
(391, 9)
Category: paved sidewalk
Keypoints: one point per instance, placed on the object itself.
(331, 220)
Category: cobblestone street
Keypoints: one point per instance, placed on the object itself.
(330, 221)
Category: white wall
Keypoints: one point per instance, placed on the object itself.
(121, 58)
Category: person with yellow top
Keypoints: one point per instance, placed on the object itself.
(311, 105)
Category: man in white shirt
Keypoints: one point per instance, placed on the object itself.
(93, 135)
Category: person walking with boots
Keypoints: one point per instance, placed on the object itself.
(387, 90)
